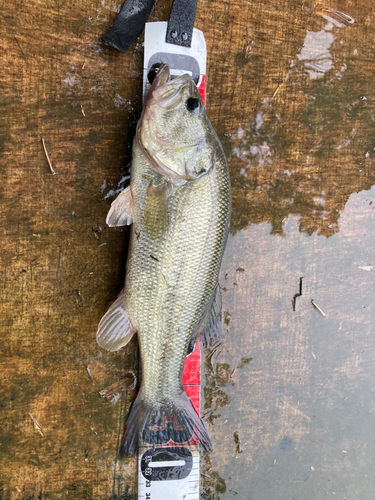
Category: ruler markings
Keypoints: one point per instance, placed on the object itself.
(187, 486)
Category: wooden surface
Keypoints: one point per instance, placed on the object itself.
(288, 394)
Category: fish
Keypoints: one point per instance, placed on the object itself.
(178, 204)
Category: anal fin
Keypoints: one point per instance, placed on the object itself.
(121, 212)
(212, 325)
(115, 329)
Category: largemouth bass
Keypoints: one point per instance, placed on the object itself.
(179, 205)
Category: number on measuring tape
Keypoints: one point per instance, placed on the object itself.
(163, 464)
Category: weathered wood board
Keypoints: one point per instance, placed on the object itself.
(288, 394)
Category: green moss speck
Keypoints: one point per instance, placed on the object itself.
(93, 137)
(2, 144)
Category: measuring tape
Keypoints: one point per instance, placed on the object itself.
(171, 471)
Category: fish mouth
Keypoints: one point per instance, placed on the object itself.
(167, 92)
(163, 77)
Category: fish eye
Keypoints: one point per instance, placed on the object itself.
(153, 72)
(192, 105)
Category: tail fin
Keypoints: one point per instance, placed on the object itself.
(158, 423)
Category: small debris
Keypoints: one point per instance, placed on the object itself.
(115, 399)
(276, 91)
(18, 489)
(365, 268)
(112, 393)
(312, 468)
(89, 374)
(97, 232)
(83, 111)
(37, 425)
(227, 318)
(21, 49)
(299, 294)
(243, 362)
(313, 355)
(317, 307)
(237, 442)
(53, 171)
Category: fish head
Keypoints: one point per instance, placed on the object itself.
(174, 129)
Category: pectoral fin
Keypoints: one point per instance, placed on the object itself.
(121, 212)
(115, 329)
